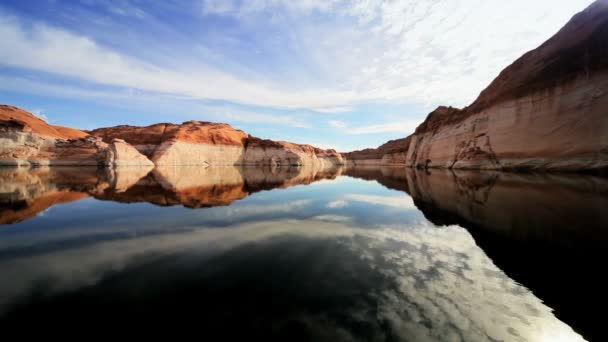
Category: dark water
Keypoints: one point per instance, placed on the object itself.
(364, 254)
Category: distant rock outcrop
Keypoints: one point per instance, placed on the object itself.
(548, 110)
(206, 143)
(26, 140)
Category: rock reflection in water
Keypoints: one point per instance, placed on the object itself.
(25, 193)
(338, 261)
(547, 231)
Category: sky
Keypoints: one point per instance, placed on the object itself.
(343, 74)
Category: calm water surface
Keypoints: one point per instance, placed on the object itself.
(363, 254)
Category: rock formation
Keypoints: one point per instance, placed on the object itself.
(119, 153)
(206, 143)
(391, 153)
(548, 110)
(26, 140)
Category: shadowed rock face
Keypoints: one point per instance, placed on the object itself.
(547, 111)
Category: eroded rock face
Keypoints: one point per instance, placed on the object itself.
(548, 110)
(119, 153)
(206, 143)
(391, 153)
(28, 141)
(562, 128)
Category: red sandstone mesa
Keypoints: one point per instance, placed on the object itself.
(548, 110)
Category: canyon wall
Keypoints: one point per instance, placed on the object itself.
(548, 110)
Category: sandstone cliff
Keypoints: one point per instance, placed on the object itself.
(389, 153)
(26, 140)
(548, 110)
(206, 143)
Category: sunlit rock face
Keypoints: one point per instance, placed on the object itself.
(206, 143)
(564, 128)
(119, 153)
(390, 153)
(547, 111)
(26, 140)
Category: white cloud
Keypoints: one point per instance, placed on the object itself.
(45, 48)
(219, 7)
(389, 201)
(334, 110)
(236, 8)
(337, 204)
(402, 51)
(337, 123)
(404, 127)
(234, 115)
(332, 218)
(40, 114)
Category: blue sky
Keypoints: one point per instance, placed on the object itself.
(335, 73)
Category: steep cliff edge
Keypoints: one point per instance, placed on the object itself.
(548, 110)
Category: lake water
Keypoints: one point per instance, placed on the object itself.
(360, 254)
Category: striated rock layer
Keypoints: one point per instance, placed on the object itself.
(548, 110)
(206, 143)
(26, 140)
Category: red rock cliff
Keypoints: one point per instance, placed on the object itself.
(548, 110)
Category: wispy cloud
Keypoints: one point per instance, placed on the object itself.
(337, 204)
(231, 114)
(334, 110)
(40, 114)
(405, 127)
(337, 123)
(401, 51)
(44, 48)
(390, 201)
